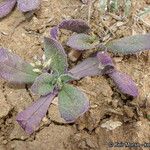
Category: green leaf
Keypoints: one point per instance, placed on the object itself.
(14, 69)
(44, 84)
(130, 44)
(82, 41)
(66, 78)
(55, 55)
(72, 103)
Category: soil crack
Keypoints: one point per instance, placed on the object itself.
(29, 92)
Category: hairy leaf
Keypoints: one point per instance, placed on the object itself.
(6, 7)
(82, 42)
(30, 118)
(75, 25)
(54, 32)
(130, 44)
(28, 5)
(106, 62)
(44, 84)
(72, 103)
(124, 83)
(89, 67)
(14, 69)
(66, 78)
(55, 54)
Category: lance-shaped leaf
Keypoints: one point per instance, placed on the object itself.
(55, 55)
(44, 84)
(72, 103)
(74, 25)
(30, 118)
(15, 69)
(28, 5)
(89, 67)
(106, 62)
(6, 7)
(82, 41)
(130, 44)
(124, 83)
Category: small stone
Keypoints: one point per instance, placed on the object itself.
(5, 142)
(111, 125)
(94, 106)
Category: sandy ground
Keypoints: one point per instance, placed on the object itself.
(107, 105)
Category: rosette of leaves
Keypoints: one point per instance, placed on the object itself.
(82, 40)
(23, 5)
(49, 79)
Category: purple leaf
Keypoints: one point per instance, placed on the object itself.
(130, 44)
(89, 67)
(14, 69)
(124, 83)
(44, 84)
(106, 62)
(6, 7)
(72, 103)
(54, 32)
(74, 25)
(30, 118)
(28, 5)
(55, 55)
(82, 42)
